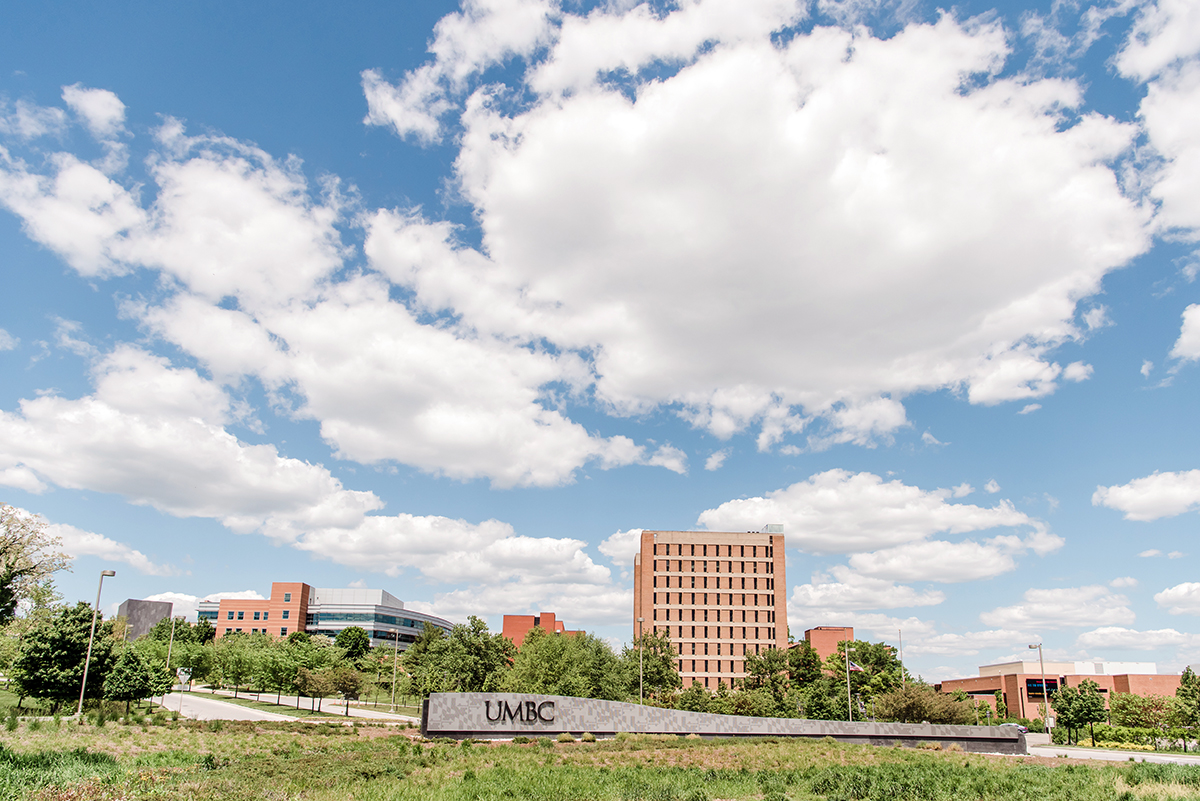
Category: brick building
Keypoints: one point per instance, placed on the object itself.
(824, 639)
(517, 627)
(295, 606)
(719, 595)
(1020, 683)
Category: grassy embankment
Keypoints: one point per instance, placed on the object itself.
(332, 762)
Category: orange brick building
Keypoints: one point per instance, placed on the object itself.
(1020, 683)
(824, 639)
(719, 595)
(517, 627)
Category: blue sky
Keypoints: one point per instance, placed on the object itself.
(454, 300)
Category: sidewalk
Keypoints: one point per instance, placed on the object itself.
(330, 705)
(1113, 755)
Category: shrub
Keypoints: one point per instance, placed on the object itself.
(546, 742)
(521, 739)
(565, 737)
(588, 737)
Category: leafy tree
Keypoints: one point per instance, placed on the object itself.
(276, 669)
(880, 672)
(234, 660)
(314, 684)
(1001, 707)
(129, 678)
(204, 631)
(346, 682)
(658, 666)
(50, 665)
(695, 698)
(354, 642)
(1089, 706)
(578, 665)
(917, 702)
(161, 631)
(469, 660)
(1066, 708)
(29, 556)
(1187, 703)
(768, 672)
(1138, 711)
(804, 664)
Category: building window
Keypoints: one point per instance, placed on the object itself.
(266, 615)
(230, 616)
(287, 597)
(286, 614)
(257, 616)
(241, 616)
(237, 631)
(254, 631)
(283, 632)
(227, 631)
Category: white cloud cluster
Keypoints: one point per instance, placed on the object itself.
(1132, 639)
(1152, 497)
(1061, 608)
(843, 590)
(755, 165)
(887, 526)
(77, 542)
(186, 606)
(1182, 599)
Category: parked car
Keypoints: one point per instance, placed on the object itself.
(1017, 726)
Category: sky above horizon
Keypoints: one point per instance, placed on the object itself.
(455, 300)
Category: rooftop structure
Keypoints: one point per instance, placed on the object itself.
(824, 639)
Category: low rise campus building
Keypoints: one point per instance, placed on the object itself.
(824, 639)
(295, 606)
(517, 627)
(717, 594)
(1020, 683)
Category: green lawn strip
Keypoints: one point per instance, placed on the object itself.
(280, 709)
(222, 760)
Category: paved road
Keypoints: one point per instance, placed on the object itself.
(202, 706)
(330, 705)
(1112, 756)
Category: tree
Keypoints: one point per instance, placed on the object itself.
(469, 660)
(1001, 707)
(1089, 707)
(276, 669)
(205, 633)
(29, 556)
(657, 666)
(916, 702)
(346, 682)
(234, 660)
(161, 631)
(314, 684)
(50, 665)
(1066, 709)
(1187, 703)
(768, 672)
(129, 678)
(354, 642)
(804, 664)
(579, 665)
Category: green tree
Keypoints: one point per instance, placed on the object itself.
(354, 642)
(579, 665)
(204, 631)
(917, 702)
(1187, 703)
(346, 682)
(695, 698)
(1001, 707)
(470, 659)
(422, 661)
(1089, 706)
(658, 666)
(29, 556)
(276, 669)
(50, 664)
(234, 660)
(1065, 701)
(161, 631)
(768, 672)
(128, 679)
(804, 664)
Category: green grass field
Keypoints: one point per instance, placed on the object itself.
(333, 762)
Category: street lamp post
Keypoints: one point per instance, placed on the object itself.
(91, 638)
(1045, 691)
(641, 663)
(395, 663)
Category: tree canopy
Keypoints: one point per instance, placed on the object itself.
(29, 556)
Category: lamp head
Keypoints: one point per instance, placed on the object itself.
(641, 620)
(108, 572)
(1035, 646)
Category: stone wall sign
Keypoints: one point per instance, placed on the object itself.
(506, 715)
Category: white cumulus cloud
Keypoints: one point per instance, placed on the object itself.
(1061, 608)
(1182, 599)
(1153, 496)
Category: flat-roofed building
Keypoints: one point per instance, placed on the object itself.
(1020, 683)
(718, 594)
(824, 639)
(140, 616)
(517, 627)
(295, 606)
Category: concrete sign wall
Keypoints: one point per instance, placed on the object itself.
(505, 715)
